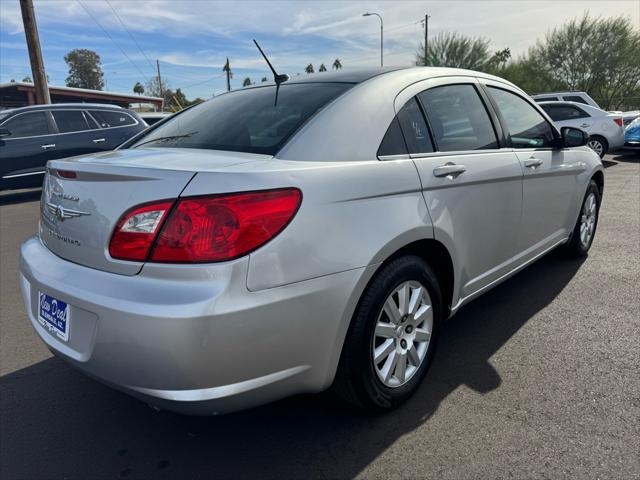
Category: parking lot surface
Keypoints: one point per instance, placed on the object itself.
(538, 378)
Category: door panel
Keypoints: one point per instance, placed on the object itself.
(476, 212)
(549, 197)
(24, 154)
(549, 182)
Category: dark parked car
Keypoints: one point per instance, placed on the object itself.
(30, 136)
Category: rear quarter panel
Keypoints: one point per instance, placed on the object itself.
(353, 214)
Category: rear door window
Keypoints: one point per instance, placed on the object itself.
(106, 118)
(526, 126)
(30, 124)
(72, 121)
(458, 118)
(414, 128)
(560, 113)
(575, 98)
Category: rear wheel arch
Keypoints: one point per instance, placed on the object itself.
(439, 259)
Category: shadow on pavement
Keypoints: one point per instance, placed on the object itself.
(55, 423)
(10, 198)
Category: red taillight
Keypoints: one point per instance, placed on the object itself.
(66, 173)
(203, 229)
(618, 121)
(136, 231)
(224, 227)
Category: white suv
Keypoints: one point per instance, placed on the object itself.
(578, 97)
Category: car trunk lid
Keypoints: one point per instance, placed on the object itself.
(84, 197)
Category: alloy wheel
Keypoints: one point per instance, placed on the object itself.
(402, 334)
(588, 219)
(596, 146)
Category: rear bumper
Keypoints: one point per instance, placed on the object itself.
(616, 141)
(193, 339)
(632, 145)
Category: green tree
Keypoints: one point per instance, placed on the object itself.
(337, 64)
(84, 69)
(138, 88)
(598, 55)
(309, 68)
(322, 68)
(246, 82)
(264, 79)
(455, 50)
(27, 79)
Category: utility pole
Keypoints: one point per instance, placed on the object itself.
(160, 89)
(227, 70)
(426, 39)
(35, 54)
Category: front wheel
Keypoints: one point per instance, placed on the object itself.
(585, 228)
(392, 337)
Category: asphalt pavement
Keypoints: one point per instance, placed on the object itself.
(540, 378)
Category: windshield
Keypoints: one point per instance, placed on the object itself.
(244, 120)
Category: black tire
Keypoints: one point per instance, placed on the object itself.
(356, 380)
(603, 143)
(575, 247)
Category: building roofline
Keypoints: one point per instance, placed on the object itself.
(142, 98)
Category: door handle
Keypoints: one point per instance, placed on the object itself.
(449, 170)
(584, 125)
(533, 162)
(48, 146)
(99, 140)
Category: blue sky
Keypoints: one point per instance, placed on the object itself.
(192, 38)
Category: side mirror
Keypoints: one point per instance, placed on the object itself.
(4, 132)
(574, 137)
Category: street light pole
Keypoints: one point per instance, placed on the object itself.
(426, 39)
(381, 32)
(35, 54)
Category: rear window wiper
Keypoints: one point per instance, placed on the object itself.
(165, 139)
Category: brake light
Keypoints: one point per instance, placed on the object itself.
(66, 173)
(224, 227)
(203, 229)
(618, 121)
(136, 231)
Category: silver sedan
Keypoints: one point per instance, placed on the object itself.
(280, 240)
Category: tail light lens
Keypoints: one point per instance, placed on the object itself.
(136, 231)
(618, 121)
(204, 229)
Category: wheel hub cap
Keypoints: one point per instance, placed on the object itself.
(402, 334)
(588, 220)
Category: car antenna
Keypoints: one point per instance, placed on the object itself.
(277, 77)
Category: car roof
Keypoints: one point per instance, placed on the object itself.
(558, 93)
(351, 75)
(63, 106)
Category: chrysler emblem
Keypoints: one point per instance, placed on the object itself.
(62, 213)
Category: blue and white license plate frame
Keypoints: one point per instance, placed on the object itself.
(54, 315)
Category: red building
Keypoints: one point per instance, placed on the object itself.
(21, 94)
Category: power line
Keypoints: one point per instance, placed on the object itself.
(203, 81)
(111, 38)
(129, 32)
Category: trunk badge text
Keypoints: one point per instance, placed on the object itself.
(62, 213)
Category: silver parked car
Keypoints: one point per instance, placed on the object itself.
(258, 246)
(606, 129)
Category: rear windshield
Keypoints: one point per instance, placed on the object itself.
(245, 120)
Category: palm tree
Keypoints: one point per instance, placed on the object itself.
(337, 64)
(246, 82)
(309, 68)
(138, 88)
(322, 68)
